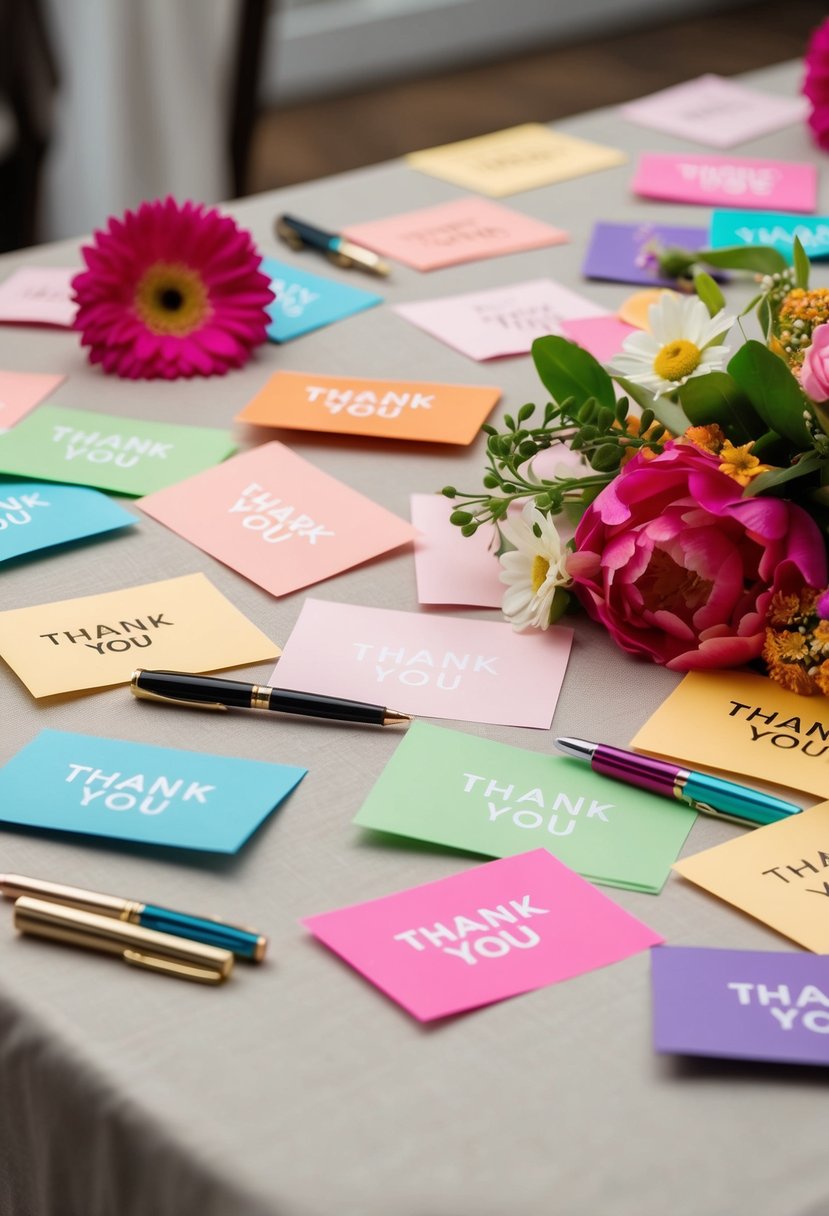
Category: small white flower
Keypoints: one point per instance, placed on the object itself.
(532, 570)
(680, 344)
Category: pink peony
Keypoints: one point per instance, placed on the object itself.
(816, 83)
(680, 567)
(171, 291)
(814, 376)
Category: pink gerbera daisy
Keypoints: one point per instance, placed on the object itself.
(171, 291)
(816, 83)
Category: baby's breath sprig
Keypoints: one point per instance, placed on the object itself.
(604, 437)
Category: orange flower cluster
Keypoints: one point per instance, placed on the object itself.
(796, 649)
(801, 311)
(737, 462)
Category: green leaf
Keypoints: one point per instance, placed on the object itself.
(715, 397)
(566, 370)
(760, 258)
(709, 292)
(772, 390)
(764, 316)
(559, 604)
(665, 411)
(801, 264)
(772, 449)
(778, 477)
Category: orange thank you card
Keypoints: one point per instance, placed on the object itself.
(390, 409)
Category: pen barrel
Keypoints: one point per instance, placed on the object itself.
(658, 776)
(333, 708)
(737, 801)
(241, 942)
(109, 936)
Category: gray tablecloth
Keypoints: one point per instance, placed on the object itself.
(297, 1089)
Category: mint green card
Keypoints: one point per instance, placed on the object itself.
(125, 455)
(454, 789)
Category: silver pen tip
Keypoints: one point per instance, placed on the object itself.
(579, 748)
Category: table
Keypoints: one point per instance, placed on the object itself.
(297, 1089)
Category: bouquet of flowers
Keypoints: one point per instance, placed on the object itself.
(701, 521)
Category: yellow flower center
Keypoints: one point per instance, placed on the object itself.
(172, 299)
(740, 464)
(539, 572)
(677, 359)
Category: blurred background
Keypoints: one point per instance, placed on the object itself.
(106, 102)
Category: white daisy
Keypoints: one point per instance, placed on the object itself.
(680, 344)
(532, 570)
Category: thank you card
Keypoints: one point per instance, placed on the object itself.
(69, 782)
(454, 789)
(491, 932)
(741, 1004)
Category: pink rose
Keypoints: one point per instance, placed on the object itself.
(814, 377)
(679, 567)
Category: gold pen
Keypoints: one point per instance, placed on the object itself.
(245, 943)
(147, 948)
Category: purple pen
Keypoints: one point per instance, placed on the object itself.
(702, 791)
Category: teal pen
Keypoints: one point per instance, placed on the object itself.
(244, 943)
(299, 234)
(702, 791)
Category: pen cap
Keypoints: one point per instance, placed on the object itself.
(147, 947)
(14, 886)
(737, 801)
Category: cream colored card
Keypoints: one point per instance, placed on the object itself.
(181, 624)
(778, 874)
(519, 158)
(743, 724)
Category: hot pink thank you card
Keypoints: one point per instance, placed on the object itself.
(727, 181)
(497, 930)
(435, 666)
(278, 520)
(463, 230)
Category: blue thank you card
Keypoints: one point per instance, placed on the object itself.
(35, 515)
(134, 791)
(775, 228)
(308, 301)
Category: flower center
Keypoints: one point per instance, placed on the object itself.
(172, 299)
(677, 359)
(668, 587)
(538, 573)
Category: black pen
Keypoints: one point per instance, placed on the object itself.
(214, 692)
(300, 235)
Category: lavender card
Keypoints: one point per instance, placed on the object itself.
(619, 252)
(741, 1004)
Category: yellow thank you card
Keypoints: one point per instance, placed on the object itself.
(778, 874)
(183, 624)
(743, 724)
(516, 159)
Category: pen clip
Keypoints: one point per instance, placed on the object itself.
(168, 966)
(144, 694)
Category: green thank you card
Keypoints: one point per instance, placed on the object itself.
(453, 789)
